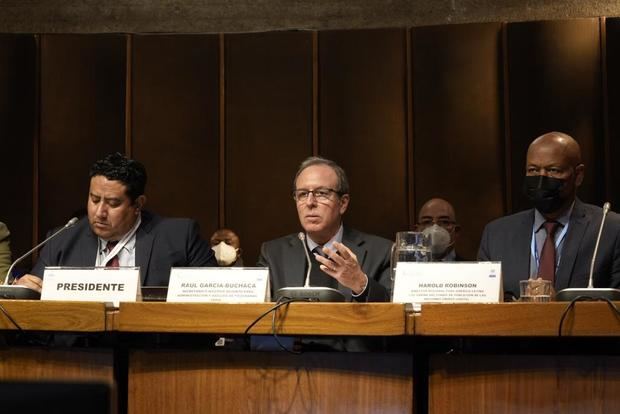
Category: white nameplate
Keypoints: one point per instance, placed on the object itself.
(99, 284)
(448, 282)
(218, 284)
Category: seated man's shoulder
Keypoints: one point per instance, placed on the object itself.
(153, 220)
(367, 238)
(282, 241)
(614, 218)
(4, 231)
(612, 221)
(510, 220)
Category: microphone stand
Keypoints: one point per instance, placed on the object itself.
(307, 292)
(8, 291)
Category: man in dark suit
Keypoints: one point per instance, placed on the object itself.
(554, 172)
(117, 232)
(438, 219)
(353, 262)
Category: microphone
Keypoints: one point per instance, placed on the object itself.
(302, 236)
(313, 294)
(8, 291)
(591, 293)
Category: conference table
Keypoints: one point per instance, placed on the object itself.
(438, 358)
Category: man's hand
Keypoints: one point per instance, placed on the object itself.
(342, 265)
(30, 281)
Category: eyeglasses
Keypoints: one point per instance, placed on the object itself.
(320, 194)
(445, 223)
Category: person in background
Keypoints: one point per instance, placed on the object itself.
(227, 248)
(438, 219)
(5, 251)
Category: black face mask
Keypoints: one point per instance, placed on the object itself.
(544, 192)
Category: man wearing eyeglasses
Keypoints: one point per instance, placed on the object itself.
(353, 262)
(438, 219)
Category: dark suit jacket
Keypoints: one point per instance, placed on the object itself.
(286, 260)
(5, 251)
(508, 239)
(161, 243)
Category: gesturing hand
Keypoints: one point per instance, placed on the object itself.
(342, 265)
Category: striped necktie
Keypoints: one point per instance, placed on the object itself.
(113, 262)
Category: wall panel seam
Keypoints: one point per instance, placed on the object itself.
(409, 159)
(222, 130)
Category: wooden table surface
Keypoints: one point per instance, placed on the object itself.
(379, 319)
(42, 315)
(517, 319)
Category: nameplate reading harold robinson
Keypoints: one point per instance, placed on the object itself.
(91, 284)
(444, 282)
(219, 285)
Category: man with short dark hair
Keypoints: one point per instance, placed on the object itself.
(556, 239)
(118, 232)
(353, 262)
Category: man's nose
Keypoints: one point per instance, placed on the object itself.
(311, 200)
(102, 210)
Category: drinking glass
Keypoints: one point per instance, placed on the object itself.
(410, 246)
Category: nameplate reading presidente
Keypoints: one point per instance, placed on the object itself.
(98, 284)
(220, 285)
(447, 282)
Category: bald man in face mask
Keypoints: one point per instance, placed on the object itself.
(555, 240)
(438, 219)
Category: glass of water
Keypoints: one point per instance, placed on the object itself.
(410, 246)
(536, 290)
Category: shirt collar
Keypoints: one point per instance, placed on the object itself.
(337, 238)
(539, 219)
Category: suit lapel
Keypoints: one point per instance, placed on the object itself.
(522, 256)
(88, 249)
(295, 261)
(578, 224)
(144, 246)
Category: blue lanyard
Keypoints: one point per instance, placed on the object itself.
(558, 241)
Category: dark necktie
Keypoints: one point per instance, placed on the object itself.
(546, 266)
(317, 276)
(113, 262)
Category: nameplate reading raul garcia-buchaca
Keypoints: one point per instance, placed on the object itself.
(219, 285)
(91, 284)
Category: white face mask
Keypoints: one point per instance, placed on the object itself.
(225, 254)
(440, 239)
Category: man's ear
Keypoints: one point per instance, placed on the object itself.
(139, 203)
(344, 203)
(457, 231)
(579, 172)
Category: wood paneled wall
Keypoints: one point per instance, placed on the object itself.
(18, 136)
(222, 121)
(458, 136)
(554, 84)
(82, 118)
(268, 101)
